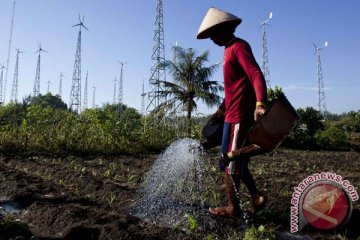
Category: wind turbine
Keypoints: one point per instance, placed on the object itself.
(48, 86)
(14, 91)
(93, 100)
(321, 90)
(114, 96)
(81, 23)
(120, 93)
(36, 89)
(143, 94)
(75, 94)
(60, 84)
(1, 82)
(9, 48)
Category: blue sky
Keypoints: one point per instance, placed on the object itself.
(123, 30)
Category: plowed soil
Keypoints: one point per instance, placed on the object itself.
(90, 198)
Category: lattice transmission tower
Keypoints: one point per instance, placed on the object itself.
(48, 86)
(86, 92)
(264, 52)
(75, 94)
(321, 90)
(1, 83)
(14, 91)
(114, 91)
(120, 91)
(157, 73)
(93, 97)
(8, 55)
(143, 94)
(60, 84)
(36, 90)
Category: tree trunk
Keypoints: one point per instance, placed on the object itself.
(189, 119)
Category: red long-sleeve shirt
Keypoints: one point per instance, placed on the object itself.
(244, 82)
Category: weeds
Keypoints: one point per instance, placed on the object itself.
(261, 232)
(111, 200)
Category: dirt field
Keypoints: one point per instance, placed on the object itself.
(90, 198)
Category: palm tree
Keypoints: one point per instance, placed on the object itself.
(190, 83)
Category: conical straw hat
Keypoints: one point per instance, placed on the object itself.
(215, 17)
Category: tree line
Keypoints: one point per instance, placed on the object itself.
(44, 124)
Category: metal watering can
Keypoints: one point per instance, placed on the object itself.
(266, 134)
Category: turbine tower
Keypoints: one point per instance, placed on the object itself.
(75, 95)
(86, 92)
(321, 91)
(48, 86)
(158, 56)
(120, 93)
(8, 56)
(264, 57)
(93, 100)
(114, 96)
(1, 83)
(36, 90)
(143, 94)
(60, 84)
(14, 91)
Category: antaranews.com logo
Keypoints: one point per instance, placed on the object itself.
(322, 200)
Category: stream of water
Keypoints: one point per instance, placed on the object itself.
(175, 185)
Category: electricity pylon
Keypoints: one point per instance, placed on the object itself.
(93, 99)
(321, 91)
(264, 57)
(36, 90)
(143, 94)
(114, 95)
(60, 84)
(14, 91)
(86, 92)
(158, 56)
(75, 95)
(120, 92)
(48, 86)
(1, 83)
(8, 56)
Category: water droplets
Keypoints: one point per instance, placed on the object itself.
(175, 184)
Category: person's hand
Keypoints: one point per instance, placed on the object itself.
(259, 111)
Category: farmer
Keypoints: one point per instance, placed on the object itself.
(244, 102)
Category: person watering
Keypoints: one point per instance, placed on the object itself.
(245, 101)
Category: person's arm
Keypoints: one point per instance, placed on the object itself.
(247, 61)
